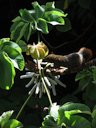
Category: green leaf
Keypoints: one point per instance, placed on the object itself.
(10, 44)
(13, 51)
(82, 74)
(54, 19)
(6, 122)
(54, 12)
(42, 25)
(29, 30)
(15, 25)
(26, 16)
(50, 5)
(22, 45)
(79, 122)
(93, 68)
(7, 72)
(22, 32)
(49, 122)
(94, 123)
(13, 123)
(66, 27)
(18, 18)
(15, 57)
(16, 31)
(38, 9)
(77, 107)
(5, 117)
(83, 83)
(94, 112)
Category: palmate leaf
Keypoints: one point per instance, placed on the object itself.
(7, 72)
(22, 26)
(40, 18)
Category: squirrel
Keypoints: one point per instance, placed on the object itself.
(73, 60)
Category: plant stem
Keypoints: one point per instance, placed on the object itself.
(38, 36)
(24, 105)
(42, 76)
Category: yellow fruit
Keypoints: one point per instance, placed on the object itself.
(38, 51)
(42, 45)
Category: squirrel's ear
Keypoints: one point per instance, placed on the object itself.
(86, 52)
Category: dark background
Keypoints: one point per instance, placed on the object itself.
(83, 24)
(82, 34)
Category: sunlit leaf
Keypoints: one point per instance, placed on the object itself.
(55, 20)
(42, 25)
(79, 122)
(38, 9)
(80, 108)
(13, 123)
(7, 72)
(5, 117)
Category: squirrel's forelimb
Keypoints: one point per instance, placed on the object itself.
(72, 60)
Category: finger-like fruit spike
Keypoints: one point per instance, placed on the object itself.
(38, 51)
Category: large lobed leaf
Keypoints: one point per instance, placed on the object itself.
(14, 53)
(7, 72)
(10, 57)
